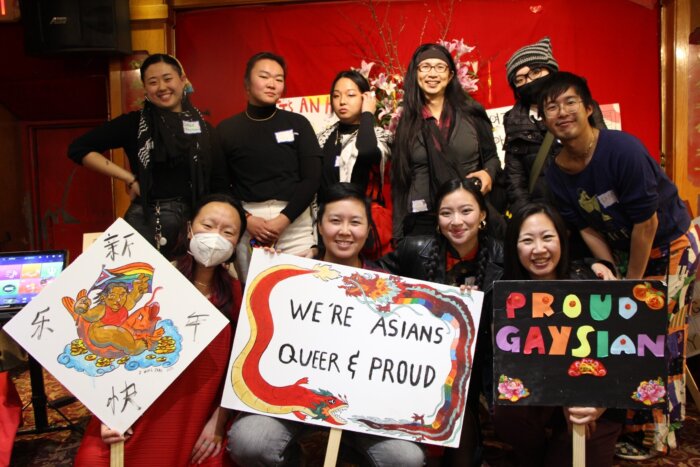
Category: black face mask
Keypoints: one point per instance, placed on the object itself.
(529, 93)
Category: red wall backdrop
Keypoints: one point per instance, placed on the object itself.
(613, 43)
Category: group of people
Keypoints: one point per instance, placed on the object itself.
(205, 197)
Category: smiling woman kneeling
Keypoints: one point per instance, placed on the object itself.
(343, 227)
(537, 248)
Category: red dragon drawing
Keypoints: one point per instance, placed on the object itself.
(249, 384)
(380, 293)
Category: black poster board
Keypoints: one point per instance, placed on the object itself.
(541, 329)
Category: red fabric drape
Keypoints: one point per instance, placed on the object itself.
(613, 43)
(10, 415)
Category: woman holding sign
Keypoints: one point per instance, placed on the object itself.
(459, 253)
(174, 155)
(537, 249)
(185, 425)
(344, 225)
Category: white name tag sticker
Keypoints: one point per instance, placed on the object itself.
(191, 128)
(419, 205)
(286, 136)
(607, 199)
(337, 161)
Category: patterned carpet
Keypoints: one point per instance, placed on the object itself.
(58, 448)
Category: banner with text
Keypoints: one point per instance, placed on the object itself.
(580, 343)
(316, 340)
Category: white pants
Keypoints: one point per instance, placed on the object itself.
(298, 237)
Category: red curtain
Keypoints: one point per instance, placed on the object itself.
(613, 43)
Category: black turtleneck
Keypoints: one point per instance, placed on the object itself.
(272, 154)
(368, 152)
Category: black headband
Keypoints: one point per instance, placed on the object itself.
(433, 53)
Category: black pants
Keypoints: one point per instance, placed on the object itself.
(173, 217)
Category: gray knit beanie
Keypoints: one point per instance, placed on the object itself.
(533, 55)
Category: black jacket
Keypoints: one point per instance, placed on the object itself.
(411, 258)
(487, 160)
(413, 253)
(524, 137)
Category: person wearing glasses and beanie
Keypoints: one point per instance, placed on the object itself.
(526, 71)
(442, 134)
(607, 186)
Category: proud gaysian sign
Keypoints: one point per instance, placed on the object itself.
(581, 343)
(353, 349)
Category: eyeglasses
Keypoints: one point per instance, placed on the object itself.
(532, 75)
(571, 106)
(438, 67)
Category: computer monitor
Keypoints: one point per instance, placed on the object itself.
(23, 274)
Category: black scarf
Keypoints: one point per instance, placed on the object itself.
(161, 139)
(442, 160)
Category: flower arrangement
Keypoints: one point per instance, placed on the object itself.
(388, 84)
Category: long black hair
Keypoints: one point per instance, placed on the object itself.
(338, 192)
(514, 269)
(440, 244)
(411, 123)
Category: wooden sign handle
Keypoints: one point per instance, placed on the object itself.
(579, 442)
(116, 454)
(333, 447)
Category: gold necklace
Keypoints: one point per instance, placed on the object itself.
(590, 146)
(585, 155)
(206, 286)
(260, 119)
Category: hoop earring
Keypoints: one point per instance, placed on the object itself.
(482, 224)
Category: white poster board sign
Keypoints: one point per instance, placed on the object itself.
(117, 326)
(317, 109)
(354, 349)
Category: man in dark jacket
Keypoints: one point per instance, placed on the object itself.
(527, 70)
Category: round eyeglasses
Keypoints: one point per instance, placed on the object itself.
(570, 105)
(532, 75)
(438, 67)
